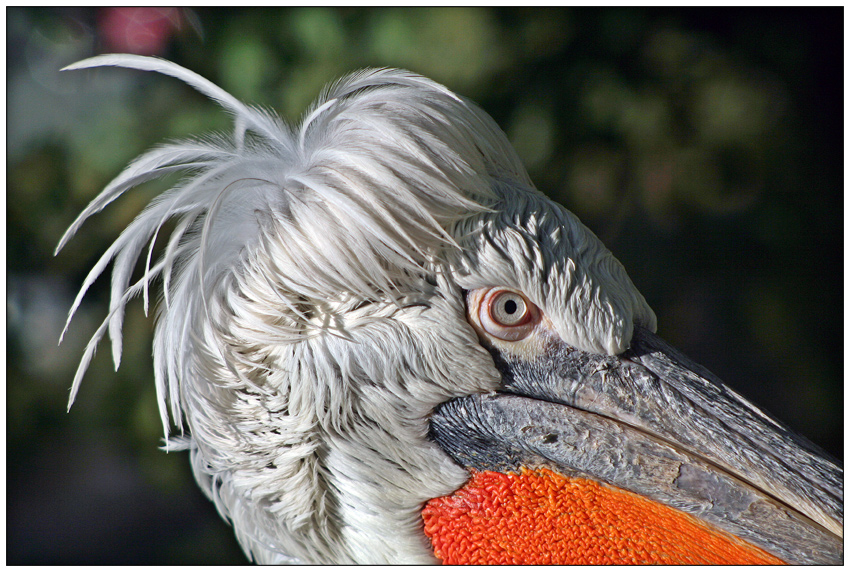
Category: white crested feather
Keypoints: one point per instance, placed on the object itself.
(313, 315)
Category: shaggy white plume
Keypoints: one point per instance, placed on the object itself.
(313, 309)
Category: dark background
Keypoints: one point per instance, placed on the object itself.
(703, 146)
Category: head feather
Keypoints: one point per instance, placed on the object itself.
(387, 159)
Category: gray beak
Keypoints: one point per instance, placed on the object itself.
(654, 423)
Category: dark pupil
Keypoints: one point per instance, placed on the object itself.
(510, 307)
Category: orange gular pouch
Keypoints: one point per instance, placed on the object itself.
(543, 517)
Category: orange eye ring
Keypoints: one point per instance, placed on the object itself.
(506, 314)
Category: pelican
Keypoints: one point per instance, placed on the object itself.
(379, 343)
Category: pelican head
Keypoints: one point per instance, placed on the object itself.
(373, 327)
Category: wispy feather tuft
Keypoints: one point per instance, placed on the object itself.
(380, 169)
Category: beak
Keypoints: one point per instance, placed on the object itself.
(659, 431)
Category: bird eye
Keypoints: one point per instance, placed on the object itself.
(508, 309)
(506, 314)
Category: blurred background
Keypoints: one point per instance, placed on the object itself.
(703, 146)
